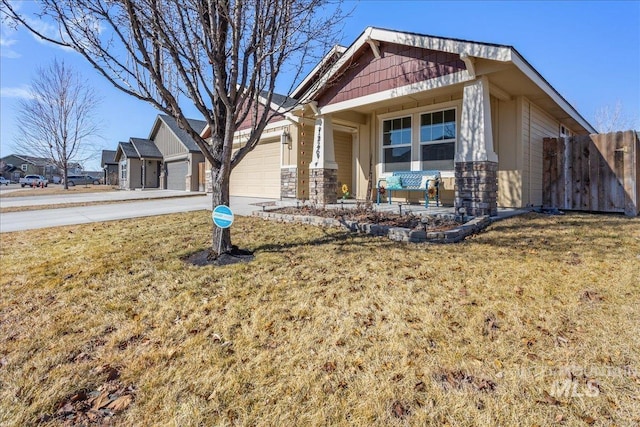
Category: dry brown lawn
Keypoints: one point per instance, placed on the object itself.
(534, 322)
(58, 189)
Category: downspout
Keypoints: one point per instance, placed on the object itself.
(144, 172)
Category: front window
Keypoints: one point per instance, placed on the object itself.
(437, 140)
(123, 170)
(396, 143)
(24, 167)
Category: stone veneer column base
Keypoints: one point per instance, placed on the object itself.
(477, 188)
(323, 186)
(288, 181)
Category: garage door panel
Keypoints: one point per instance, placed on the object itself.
(176, 175)
(258, 174)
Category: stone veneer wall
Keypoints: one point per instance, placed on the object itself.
(323, 186)
(476, 188)
(288, 181)
(399, 234)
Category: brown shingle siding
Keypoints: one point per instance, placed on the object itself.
(398, 66)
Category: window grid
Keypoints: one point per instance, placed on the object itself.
(397, 142)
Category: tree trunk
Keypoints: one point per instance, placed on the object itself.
(221, 237)
(65, 175)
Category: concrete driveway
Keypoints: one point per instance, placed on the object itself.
(164, 202)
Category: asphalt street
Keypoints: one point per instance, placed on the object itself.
(151, 205)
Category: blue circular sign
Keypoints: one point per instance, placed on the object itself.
(222, 216)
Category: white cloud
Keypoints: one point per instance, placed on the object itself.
(6, 41)
(8, 53)
(23, 92)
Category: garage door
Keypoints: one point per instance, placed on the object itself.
(176, 173)
(258, 174)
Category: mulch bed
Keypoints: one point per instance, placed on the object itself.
(369, 216)
(208, 257)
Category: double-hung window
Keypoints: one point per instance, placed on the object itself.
(438, 140)
(396, 144)
(123, 170)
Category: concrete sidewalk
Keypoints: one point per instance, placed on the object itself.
(107, 196)
(44, 218)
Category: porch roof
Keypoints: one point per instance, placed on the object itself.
(127, 150)
(146, 149)
(509, 73)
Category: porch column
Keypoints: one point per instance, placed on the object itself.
(476, 164)
(144, 173)
(162, 185)
(323, 170)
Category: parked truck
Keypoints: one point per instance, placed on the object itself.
(34, 180)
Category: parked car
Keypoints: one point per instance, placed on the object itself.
(4, 181)
(37, 180)
(82, 179)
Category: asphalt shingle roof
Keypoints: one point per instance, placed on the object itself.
(108, 157)
(283, 101)
(128, 150)
(146, 149)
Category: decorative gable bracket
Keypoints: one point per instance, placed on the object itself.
(469, 62)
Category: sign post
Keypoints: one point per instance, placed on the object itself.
(222, 218)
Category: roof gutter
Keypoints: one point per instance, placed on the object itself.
(524, 66)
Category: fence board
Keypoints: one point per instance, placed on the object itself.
(595, 169)
(593, 173)
(576, 174)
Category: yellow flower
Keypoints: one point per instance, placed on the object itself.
(345, 189)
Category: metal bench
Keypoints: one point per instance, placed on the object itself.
(411, 181)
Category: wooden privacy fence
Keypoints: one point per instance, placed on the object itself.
(595, 173)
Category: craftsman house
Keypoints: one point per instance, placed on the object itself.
(168, 159)
(395, 101)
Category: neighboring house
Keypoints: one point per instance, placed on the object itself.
(109, 167)
(16, 166)
(19, 165)
(183, 162)
(139, 163)
(172, 159)
(392, 101)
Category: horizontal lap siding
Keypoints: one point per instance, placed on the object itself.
(536, 126)
(526, 185)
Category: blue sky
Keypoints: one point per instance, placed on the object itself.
(588, 50)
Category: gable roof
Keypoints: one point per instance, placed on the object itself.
(328, 60)
(127, 149)
(108, 157)
(280, 104)
(145, 148)
(36, 161)
(181, 135)
(283, 101)
(468, 50)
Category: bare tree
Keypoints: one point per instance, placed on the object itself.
(614, 119)
(58, 120)
(224, 56)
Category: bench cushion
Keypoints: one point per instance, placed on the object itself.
(394, 183)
